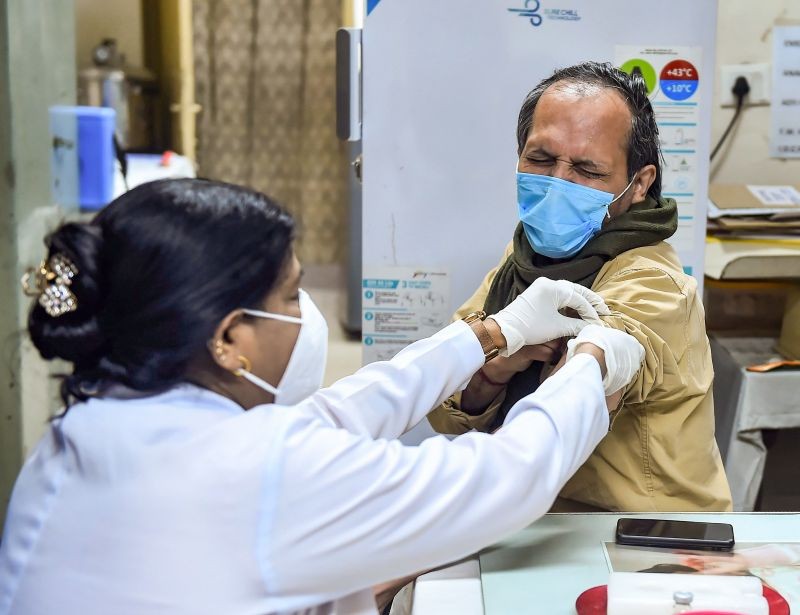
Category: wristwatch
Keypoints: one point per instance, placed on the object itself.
(475, 321)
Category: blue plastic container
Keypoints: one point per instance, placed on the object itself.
(82, 156)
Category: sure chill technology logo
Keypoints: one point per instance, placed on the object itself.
(530, 12)
(533, 12)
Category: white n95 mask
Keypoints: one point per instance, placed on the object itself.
(306, 367)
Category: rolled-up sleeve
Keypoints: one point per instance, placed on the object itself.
(648, 304)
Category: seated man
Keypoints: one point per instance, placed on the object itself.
(591, 211)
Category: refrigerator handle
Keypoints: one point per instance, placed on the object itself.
(348, 84)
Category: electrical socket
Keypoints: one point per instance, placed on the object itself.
(758, 77)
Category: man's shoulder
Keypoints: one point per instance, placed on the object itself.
(658, 261)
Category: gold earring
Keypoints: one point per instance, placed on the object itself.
(246, 366)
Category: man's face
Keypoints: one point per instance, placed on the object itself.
(580, 134)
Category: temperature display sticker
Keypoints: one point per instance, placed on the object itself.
(678, 98)
(679, 80)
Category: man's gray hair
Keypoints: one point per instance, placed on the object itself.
(643, 144)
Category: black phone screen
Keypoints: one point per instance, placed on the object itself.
(659, 532)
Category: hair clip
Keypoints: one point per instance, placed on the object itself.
(50, 282)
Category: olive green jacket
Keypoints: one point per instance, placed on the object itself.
(660, 453)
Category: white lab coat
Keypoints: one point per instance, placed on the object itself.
(184, 503)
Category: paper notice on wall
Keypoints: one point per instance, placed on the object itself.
(776, 195)
(401, 305)
(676, 89)
(785, 132)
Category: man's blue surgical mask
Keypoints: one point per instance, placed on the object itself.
(560, 217)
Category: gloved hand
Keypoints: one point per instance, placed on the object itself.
(623, 354)
(533, 318)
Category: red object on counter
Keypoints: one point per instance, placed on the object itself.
(594, 601)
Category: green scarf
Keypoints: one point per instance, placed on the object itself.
(643, 224)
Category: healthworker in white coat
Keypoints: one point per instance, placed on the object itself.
(198, 469)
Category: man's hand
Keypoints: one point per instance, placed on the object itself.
(502, 369)
(483, 388)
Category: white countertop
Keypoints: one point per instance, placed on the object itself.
(545, 567)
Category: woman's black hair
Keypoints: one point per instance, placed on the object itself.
(158, 269)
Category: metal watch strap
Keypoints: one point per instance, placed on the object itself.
(475, 321)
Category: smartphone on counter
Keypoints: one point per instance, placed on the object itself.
(675, 534)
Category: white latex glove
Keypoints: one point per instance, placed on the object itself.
(623, 353)
(533, 318)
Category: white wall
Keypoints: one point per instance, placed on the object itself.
(99, 19)
(744, 34)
